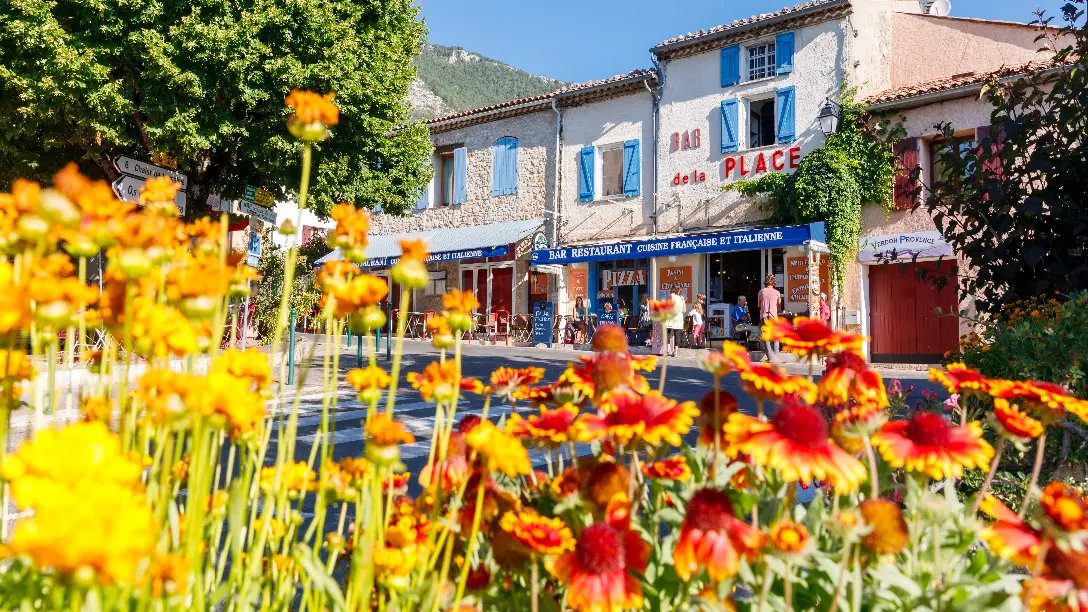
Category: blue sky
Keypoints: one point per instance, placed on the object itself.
(581, 40)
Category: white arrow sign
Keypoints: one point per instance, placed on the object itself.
(128, 189)
(258, 212)
(142, 169)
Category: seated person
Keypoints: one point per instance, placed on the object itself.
(742, 320)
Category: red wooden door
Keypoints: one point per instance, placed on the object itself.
(904, 324)
(502, 284)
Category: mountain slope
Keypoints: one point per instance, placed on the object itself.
(451, 79)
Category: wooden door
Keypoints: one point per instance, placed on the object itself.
(904, 324)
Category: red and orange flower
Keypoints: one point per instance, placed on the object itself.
(795, 442)
(958, 378)
(733, 357)
(627, 417)
(507, 381)
(551, 428)
(672, 468)
(438, 382)
(711, 536)
(789, 539)
(601, 373)
(847, 377)
(764, 381)
(1014, 422)
(930, 444)
(1047, 401)
(600, 573)
(711, 426)
(810, 337)
(610, 338)
(540, 534)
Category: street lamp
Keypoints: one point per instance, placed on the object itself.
(829, 118)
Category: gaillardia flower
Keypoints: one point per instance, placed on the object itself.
(672, 468)
(795, 442)
(711, 536)
(810, 337)
(598, 572)
(711, 424)
(610, 338)
(847, 377)
(930, 444)
(788, 538)
(1014, 422)
(503, 451)
(764, 381)
(599, 374)
(314, 115)
(958, 378)
(506, 381)
(540, 534)
(733, 357)
(887, 530)
(438, 382)
(551, 427)
(628, 417)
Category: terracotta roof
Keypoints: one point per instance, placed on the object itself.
(786, 13)
(953, 82)
(633, 76)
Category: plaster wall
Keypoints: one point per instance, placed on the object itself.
(601, 123)
(692, 99)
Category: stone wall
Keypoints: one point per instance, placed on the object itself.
(536, 172)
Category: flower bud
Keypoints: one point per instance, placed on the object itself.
(81, 246)
(410, 274)
(354, 254)
(133, 263)
(56, 314)
(442, 341)
(58, 209)
(311, 132)
(459, 321)
(198, 308)
(288, 228)
(32, 228)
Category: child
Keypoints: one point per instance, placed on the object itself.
(697, 325)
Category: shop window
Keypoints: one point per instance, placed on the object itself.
(761, 119)
(612, 170)
(446, 178)
(436, 284)
(940, 148)
(761, 61)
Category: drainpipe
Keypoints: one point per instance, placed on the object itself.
(554, 238)
(655, 97)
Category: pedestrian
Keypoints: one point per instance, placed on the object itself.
(768, 300)
(825, 310)
(581, 321)
(645, 323)
(675, 322)
(697, 325)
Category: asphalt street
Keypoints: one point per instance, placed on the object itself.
(684, 381)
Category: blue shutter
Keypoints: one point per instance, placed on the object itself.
(511, 165)
(730, 66)
(632, 175)
(460, 175)
(783, 53)
(730, 112)
(786, 120)
(504, 166)
(585, 192)
(498, 167)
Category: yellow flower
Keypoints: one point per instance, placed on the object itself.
(410, 272)
(273, 528)
(250, 364)
(789, 538)
(77, 456)
(168, 574)
(297, 478)
(313, 115)
(383, 437)
(369, 382)
(14, 305)
(350, 233)
(503, 451)
(159, 331)
(358, 293)
(437, 383)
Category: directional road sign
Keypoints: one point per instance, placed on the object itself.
(128, 189)
(257, 212)
(142, 169)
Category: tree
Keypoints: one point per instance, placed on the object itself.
(305, 295)
(204, 82)
(1015, 204)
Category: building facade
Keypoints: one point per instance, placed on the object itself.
(616, 189)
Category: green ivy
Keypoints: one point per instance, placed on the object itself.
(855, 166)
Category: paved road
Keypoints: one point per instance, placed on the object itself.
(685, 381)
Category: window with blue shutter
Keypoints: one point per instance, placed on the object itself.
(504, 166)
(783, 53)
(786, 121)
(632, 174)
(585, 185)
(460, 175)
(730, 57)
(730, 115)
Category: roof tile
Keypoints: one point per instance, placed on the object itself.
(786, 10)
(952, 82)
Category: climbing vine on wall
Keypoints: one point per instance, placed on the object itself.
(855, 166)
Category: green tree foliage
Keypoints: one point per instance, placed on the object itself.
(305, 294)
(465, 80)
(855, 166)
(205, 82)
(1015, 205)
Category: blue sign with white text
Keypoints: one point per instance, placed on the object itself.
(543, 322)
(382, 262)
(742, 240)
(255, 244)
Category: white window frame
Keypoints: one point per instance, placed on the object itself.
(771, 67)
(598, 180)
(436, 283)
(748, 102)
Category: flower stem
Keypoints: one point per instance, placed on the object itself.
(989, 475)
(874, 485)
(765, 589)
(480, 488)
(717, 429)
(402, 324)
(1040, 451)
(534, 585)
(787, 590)
(664, 368)
(1037, 569)
(839, 581)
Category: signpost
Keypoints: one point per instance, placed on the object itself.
(257, 212)
(128, 189)
(543, 322)
(263, 197)
(146, 170)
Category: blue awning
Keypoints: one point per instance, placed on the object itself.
(717, 242)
